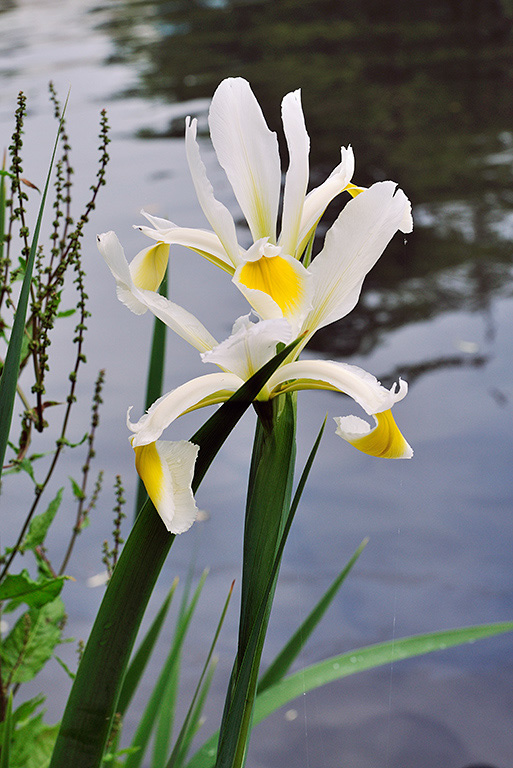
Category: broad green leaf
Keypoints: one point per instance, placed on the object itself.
(33, 744)
(282, 663)
(9, 378)
(138, 663)
(345, 664)
(92, 702)
(24, 711)
(20, 588)
(41, 523)
(31, 642)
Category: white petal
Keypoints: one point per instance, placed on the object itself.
(352, 246)
(296, 181)
(167, 469)
(148, 268)
(177, 318)
(214, 387)
(250, 345)
(319, 198)
(202, 241)
(362, 386)
(248, 152)
(217, 214)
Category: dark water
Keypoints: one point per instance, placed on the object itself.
(423, 93)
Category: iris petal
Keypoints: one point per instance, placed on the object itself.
(149, 267)
(166, 469)
(384, 440)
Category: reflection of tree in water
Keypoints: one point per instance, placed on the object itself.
(421, 90)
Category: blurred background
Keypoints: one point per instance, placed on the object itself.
(423, 94)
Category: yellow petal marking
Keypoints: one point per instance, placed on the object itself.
(150, 272)
(149, 468)
(384, 441)
(353, 189)
(276, 277)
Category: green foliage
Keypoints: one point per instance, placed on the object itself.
(40, 524)
(33, 743)
(31, 642)
(92, 702)
(337, 667)
(31, 284)
(282, 663)
(20, 588)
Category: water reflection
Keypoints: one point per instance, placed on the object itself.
(422, 91)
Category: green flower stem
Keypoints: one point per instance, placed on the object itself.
(267, 507)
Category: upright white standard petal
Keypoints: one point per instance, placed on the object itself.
(249, 346)
(166, 469)
(248, 152)
(218, 215)
(139, 299)
(296, 180)
(201, 391)
(352, 246)
(319, 198)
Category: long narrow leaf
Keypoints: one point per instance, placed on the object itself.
(367, 658)
(138, 664)
(166, 718)
(347, 664)
(196, 718)
(92, 702)
(149, 718)
(283, 661)
(9, 379)
(179, 750)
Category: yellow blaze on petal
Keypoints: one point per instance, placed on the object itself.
(354, 190)
(150, 271)
(384, 440)
(149, 469)
(276, 277)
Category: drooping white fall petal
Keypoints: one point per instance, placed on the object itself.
(139, 299)
(201, 391)
(167, 469)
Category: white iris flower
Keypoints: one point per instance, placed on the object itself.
(290, 298)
